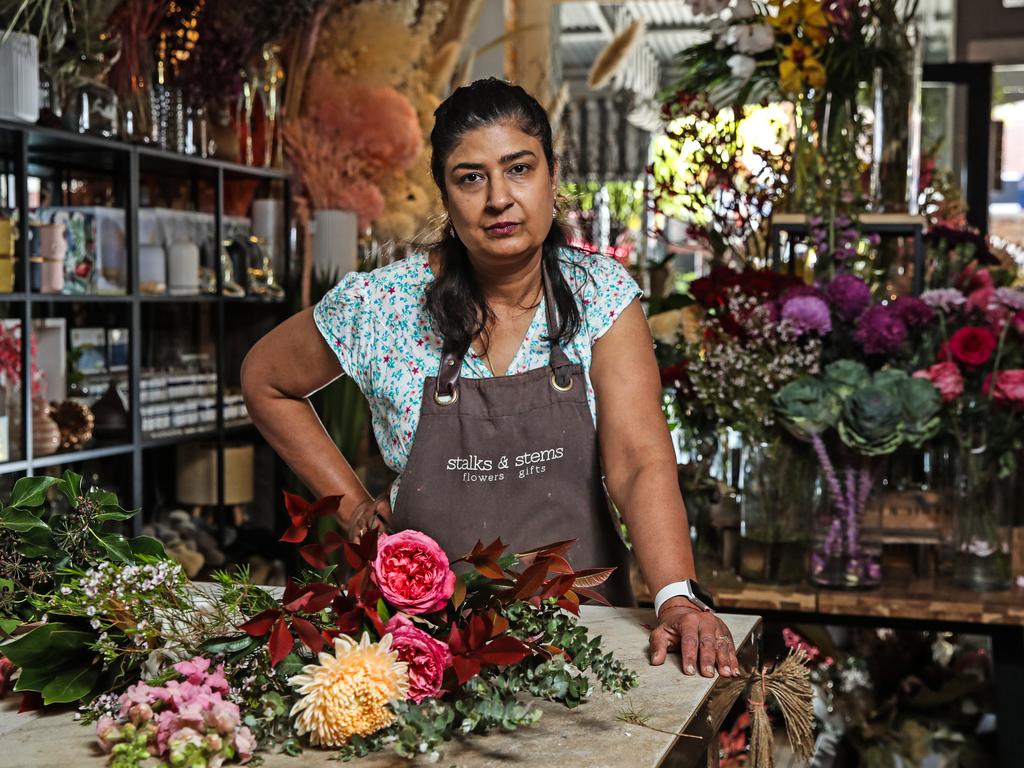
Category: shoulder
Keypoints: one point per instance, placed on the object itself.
(592, 272)
(408, 276)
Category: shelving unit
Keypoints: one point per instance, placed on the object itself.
(27, 151)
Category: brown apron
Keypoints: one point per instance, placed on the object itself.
(515, 457)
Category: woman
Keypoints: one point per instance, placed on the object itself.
(487, 361)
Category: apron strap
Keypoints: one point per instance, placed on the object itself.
(450, 370)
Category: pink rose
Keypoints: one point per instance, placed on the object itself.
(426, 656)
(1009, 387)
(412, 572)
(946, 378)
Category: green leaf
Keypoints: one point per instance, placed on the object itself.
(114, 514)
(31, 491)
(21, 520)
(382, 610)
(232, 644)
(47, 646)
(9, 625)
(147, 546)
(71, 684)
(103, 498)
(116, 546)
(71, 487)
(38, 542)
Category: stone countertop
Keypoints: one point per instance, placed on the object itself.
(590, 735)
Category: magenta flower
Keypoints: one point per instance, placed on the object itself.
(849, 296)
(913, 312)
(880, 330)
(806, 314)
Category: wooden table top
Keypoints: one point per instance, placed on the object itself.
(589, 735)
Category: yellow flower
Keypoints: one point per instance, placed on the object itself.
(799, 69)
(813, 21)
(347, 694)
(787, 18)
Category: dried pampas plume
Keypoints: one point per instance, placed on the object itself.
(611, 59)
(441, 67)
(557, 105)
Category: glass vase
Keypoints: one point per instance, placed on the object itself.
(776, 498)
(984, 519)
(846, 553)
(805, 157)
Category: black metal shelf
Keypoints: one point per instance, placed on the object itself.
(33, 150)
(66, 145)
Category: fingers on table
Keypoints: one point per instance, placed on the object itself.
(689, 642)
(725, 649)
(661, 640)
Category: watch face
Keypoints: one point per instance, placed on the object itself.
(702, 594)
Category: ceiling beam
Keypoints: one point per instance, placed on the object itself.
(600, 20)
(651, 33)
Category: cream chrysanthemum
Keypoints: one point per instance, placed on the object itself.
(347, 694)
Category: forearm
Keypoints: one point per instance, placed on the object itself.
(292, 428)
(649, 500)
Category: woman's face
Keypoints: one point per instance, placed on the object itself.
(500, 192)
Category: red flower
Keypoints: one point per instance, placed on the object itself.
(426, 656)
(1009, 387)
(973, 345)
(946, 378)
(6, 670)
(412, 572)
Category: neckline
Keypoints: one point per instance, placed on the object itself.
(481, 362)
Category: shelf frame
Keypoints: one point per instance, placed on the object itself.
(35, 146)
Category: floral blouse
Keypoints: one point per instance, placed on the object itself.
(377, 324)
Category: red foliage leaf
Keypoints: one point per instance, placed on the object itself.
(503, 650)
(597, 597)
(296, 534)
(466, 668)
(558, 548)
(358, 555)
(592, 578)
(31, 701)
(557, 586)
(460, 592)
(261, 623)
(281, 642)
(456, 641)
(485, 559)
(312, 597)
(558, 564)
(499, 625)
(315, 555)
(478, 632)
(528, 582)
(308, 634)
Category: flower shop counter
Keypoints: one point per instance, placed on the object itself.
(596, 733)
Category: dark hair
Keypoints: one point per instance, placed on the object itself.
(455, 301)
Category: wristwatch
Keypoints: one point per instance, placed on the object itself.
(689, 589)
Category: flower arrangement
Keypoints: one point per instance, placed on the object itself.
(872, 415)
(386, 644)
(975, 359)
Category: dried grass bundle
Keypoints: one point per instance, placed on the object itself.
(615, 54)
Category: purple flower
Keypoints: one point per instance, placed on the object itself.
(944, 299)
(849, 296)
(1011, 298)
(880, 330)
(913, 312)
(807, 313)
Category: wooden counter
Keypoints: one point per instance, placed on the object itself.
(591, 735)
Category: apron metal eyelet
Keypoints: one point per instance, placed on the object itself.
(446, 400)
(559, 387)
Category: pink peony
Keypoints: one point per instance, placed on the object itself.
(1009, 387)
(412, 572)
(946, 378)
(427, 657)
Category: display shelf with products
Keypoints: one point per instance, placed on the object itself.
(123, 225)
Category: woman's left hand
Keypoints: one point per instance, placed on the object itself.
(700, 635)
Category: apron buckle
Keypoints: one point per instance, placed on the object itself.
(560, 387)
(446, 400)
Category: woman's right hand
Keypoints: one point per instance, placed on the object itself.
(372, 513)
